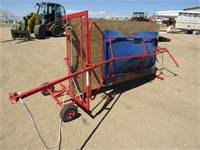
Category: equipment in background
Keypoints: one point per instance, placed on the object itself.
(48, 20)
(140, 16)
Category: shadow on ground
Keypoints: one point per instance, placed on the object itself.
(111, 98)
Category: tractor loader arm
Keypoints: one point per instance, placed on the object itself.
(34, 20)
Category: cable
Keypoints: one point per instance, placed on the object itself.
(39, 135)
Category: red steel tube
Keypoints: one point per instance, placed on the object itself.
(15, 97)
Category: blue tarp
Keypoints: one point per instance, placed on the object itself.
(128, 46)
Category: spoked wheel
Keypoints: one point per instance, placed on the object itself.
(68, 113)
(45, 92)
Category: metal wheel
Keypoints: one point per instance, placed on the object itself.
(45, 92)
(68, 113)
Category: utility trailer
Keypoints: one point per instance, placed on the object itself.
(188, 20)
(184, 20)
(119, 55)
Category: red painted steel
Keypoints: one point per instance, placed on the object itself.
(86, 68)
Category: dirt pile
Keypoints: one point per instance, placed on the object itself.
(126, 27)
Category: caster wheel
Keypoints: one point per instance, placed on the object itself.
(68, 113)
(45, 92)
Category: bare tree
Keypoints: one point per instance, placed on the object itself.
(7, 16)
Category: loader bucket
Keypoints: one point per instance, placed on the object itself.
(22, 34)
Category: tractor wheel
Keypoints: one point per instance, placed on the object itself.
(57, 31)
(40, 31)
(68, 113)
(45, 92)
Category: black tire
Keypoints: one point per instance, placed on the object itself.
(40, 31)
(45, 92)
(69, 113)
(57, 31)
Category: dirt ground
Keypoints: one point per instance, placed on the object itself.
(137, 115)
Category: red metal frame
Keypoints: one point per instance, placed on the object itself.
(85, 71)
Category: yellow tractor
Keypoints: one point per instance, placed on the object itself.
(48, 20)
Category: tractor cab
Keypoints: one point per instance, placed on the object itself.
(140, 16)
(50, 12)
